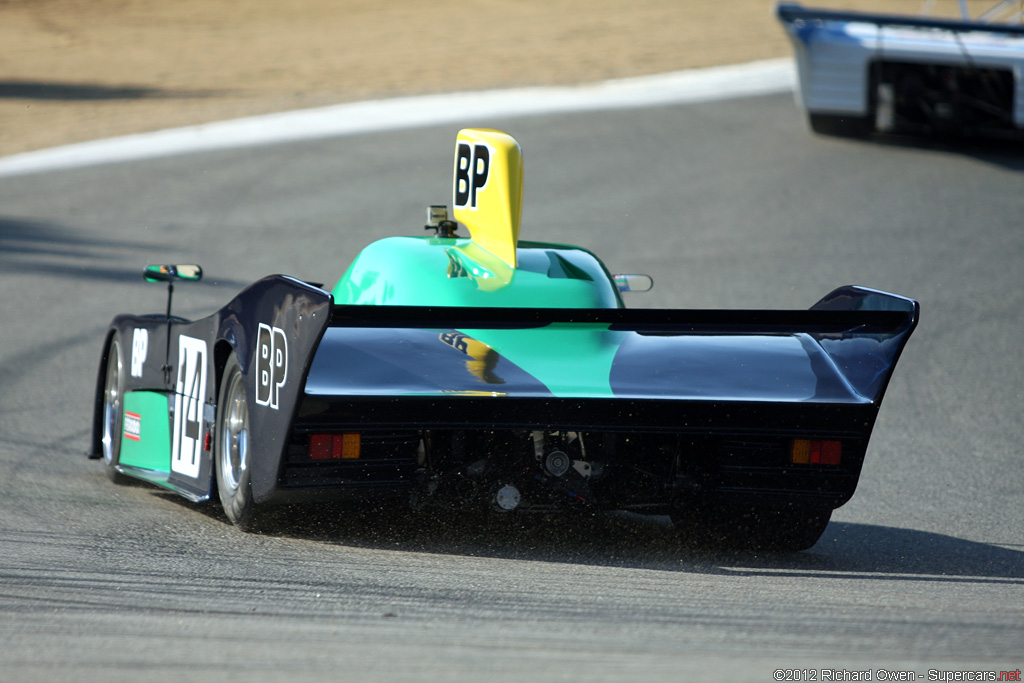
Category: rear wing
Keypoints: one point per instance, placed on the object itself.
(857, 333)
(792, 13)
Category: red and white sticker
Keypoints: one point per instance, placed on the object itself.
(132, 426)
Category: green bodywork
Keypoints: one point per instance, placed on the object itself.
(439, 271)
(146, 431)
(570, 359)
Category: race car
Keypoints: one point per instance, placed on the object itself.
(484, 373)
(862, 73)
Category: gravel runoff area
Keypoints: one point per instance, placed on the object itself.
(75, 70)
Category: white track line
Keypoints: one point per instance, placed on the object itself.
(681, 87)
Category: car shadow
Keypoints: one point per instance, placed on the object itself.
(845, 551)
(1005, 153)
(38, 247)
(864, 551)
(86, 92)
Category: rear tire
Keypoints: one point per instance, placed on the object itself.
(231, 452)
(113, 411)
(840, 126)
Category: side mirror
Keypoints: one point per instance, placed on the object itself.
(634, 283)
(172, 273)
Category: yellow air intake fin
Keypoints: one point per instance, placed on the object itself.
(488, 190)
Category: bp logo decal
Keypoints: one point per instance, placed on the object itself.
(472, 168)
(271, 365)
(140, 349)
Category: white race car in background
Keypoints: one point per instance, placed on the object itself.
(861, 73)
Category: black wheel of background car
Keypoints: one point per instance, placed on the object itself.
(231, 452)
(113, 411)
(839, 126)
(788, 529)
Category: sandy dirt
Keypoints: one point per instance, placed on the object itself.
(74, 70)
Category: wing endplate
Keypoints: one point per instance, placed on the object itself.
(488, 189)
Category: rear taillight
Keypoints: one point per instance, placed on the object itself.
(335, 446)
(811, 452)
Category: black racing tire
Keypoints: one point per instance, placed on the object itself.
(231, 453)
(839, 126)
(731, 527)
(113, 411)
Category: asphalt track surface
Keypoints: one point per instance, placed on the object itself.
(727, 204)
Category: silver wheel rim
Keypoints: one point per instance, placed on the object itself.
(112, 403)
(234, 438)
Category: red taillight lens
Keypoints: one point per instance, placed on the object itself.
(335, 446)
(320, 446)
(809, 452)
(831, 452)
